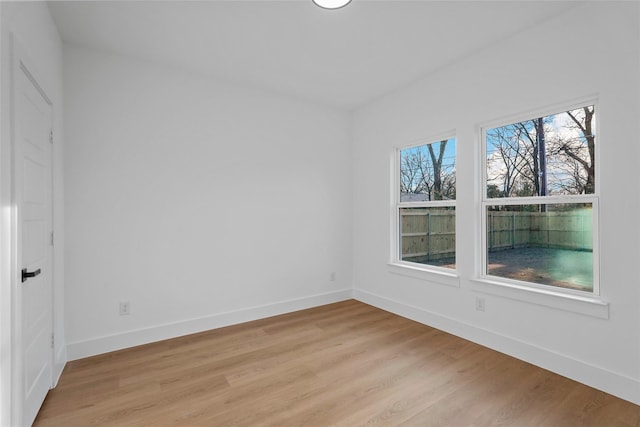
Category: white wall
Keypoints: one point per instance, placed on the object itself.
(200, 203)
(591, 50)
(34, 29)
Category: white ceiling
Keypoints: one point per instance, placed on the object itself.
(343, 58)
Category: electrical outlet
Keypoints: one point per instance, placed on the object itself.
(479, 304)
(332, 276)
(125, 308)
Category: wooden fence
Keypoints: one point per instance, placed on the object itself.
(563, 230)
(429, 234)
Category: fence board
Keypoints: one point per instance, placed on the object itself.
(427, 234)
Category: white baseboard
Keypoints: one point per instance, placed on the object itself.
(105, 344)
(610, 382)
(59, 362)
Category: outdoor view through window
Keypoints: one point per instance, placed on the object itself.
(426, 208)
(541, 200)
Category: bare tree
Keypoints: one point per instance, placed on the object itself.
(423, 171)
(515, 157)
(412, 172)
(530, 166)
(437, 169)
(540, 157)
(579, 150)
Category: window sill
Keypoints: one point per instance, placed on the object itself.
(590, 306)
(430, 274)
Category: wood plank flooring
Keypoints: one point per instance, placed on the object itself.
(344, 364)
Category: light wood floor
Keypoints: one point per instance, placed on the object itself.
(344, 364)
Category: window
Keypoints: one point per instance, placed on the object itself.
(425, 206)
(540, 201)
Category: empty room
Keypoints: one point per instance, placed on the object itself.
(311, 213)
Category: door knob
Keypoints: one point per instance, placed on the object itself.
(26, 274)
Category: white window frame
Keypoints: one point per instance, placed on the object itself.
(441, 275)
(593, 199)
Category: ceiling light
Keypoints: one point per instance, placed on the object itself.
(331, 4)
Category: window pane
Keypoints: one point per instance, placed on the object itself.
(428, 236)
(545, 156)
(428, 172)
(545, 244)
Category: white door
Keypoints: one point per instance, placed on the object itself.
(33, 194)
